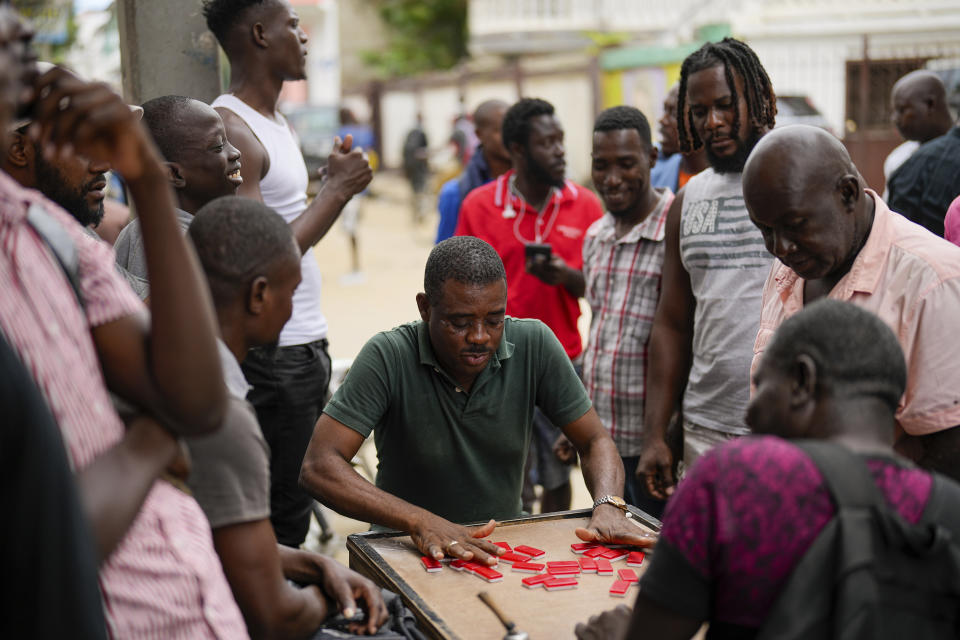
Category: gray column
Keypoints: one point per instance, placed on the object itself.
(166, 49)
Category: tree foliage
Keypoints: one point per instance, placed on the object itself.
(423, 36)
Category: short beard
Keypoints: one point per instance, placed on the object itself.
(541, 174)
(51, 184)
(734, 163)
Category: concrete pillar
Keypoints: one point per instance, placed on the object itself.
(165, 48)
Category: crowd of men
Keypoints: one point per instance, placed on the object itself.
(169, 428)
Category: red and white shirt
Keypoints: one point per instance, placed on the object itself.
(623, 288)
(164, 580)
(494, 214)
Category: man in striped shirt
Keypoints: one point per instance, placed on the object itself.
(79, 330)
(622, 261)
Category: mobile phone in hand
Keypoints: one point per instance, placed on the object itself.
(534, 250)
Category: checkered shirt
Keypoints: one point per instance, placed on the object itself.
(623, 287)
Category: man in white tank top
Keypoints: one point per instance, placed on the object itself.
(715, 266)
(266, 47)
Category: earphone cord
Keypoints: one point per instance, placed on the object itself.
(512, 190)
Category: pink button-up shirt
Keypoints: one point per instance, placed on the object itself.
(164, 580)
(910, 278)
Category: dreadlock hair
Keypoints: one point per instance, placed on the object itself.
(734, 56)
(516, 122)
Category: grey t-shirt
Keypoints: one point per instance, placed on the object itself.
(230, 478)
(724, 254)
(131, 257)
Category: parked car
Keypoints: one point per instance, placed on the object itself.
(800, 110)
(316, 127)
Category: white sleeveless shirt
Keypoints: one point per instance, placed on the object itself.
(284, 189)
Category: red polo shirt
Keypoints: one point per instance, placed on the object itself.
(562, 223)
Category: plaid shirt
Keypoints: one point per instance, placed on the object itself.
(623, 287)
(164, 580)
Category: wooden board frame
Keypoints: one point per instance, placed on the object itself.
(366, 560)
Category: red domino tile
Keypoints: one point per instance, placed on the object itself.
(458, 564)
(604, 568)
(614, 554)
(596, 552)
(432, 565)
(513, 556)
(563, 563)
(556, 584)
(503, 545)
(535, 581)
(563, 571)
(619, 588)
(580, 547)
(528, 567)
(588, 565)
(488, 574)
(635, 559)
(628, 575)
(533, 552)
(471, 567)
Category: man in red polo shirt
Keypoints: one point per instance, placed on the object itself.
(536, 220)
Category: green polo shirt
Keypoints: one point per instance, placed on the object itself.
(458, 455)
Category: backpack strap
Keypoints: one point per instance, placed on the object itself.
(845, 474)
(60, 244)
(942, 506)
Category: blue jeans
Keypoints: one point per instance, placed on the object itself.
(289, 391)
(635, 492)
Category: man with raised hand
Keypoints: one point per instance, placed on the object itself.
(267, 47)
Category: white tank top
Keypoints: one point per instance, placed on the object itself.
(284, 189)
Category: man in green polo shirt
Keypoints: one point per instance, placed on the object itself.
(450, 402)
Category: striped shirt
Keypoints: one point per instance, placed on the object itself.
(724, 254)
(623, 287)
(164, 580)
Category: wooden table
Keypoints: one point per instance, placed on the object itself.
(446, 603)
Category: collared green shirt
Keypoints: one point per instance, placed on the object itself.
(458, 455)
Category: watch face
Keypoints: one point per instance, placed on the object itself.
(619, 502)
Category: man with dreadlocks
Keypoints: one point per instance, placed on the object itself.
(714, 268)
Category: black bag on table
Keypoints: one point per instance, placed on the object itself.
(869, 574)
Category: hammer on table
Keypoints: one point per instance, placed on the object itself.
(512, 632)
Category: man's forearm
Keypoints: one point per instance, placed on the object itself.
(668, 367)
(317, 219)
(334, 482)
(602, 468)
(183, 355)
(574, 282)
(114, 485)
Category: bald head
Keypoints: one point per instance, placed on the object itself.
(797, 158)
(806, 196)
(490, 112)
(488, 120)
(919, 106)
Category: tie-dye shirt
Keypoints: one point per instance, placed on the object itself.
(743, 518)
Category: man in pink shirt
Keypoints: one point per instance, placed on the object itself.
(79, 330)
(835, 238)
(951, 222)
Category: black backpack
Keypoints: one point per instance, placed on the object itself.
(869, 574)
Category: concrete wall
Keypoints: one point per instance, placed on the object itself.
(166, 48)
